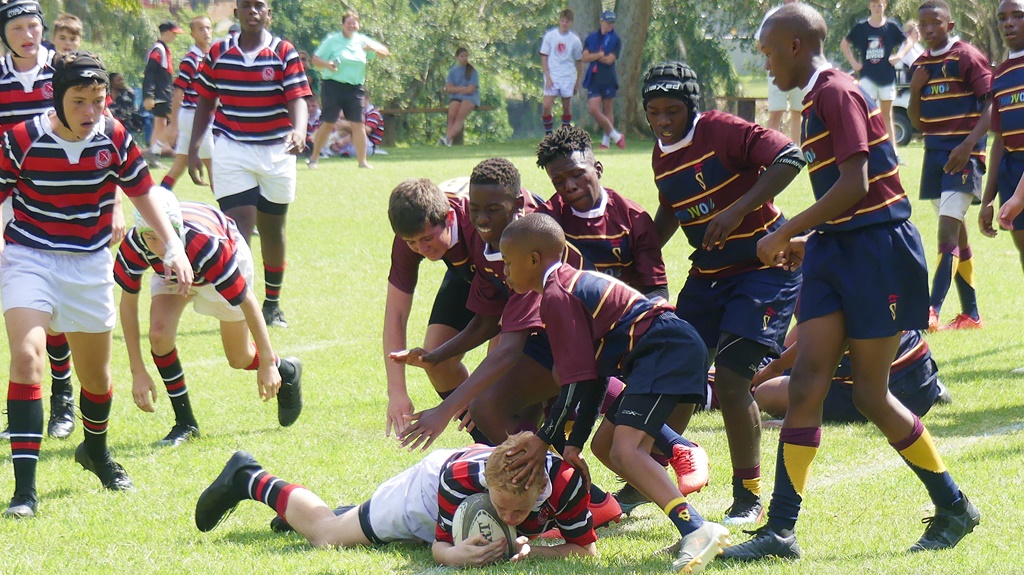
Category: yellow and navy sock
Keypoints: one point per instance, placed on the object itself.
(746, 483)
(173, 375)
(949, 255)
(684, 516)
(25, 424)
(266, 488)
(918, 451)
(95, 419)
(59, 352)
(274, 278)
(797, 448)
(965, 284)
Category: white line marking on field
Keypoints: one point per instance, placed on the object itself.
(312, 346)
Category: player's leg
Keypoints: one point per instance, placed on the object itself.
(566, 110)
(596, 108)
(164, 314)
(965, 282)
(62, 395)
(330, 106)
(26, 336)
(186, 118)
(1018, 242)
(359, 129)
(886, 108)
(448, 316)
(239, 350)
(497, 411)
(449, 374)
(271, 219)
(772, 396)
(314, 520)
(546, 114)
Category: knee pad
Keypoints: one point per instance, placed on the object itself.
(740, 355)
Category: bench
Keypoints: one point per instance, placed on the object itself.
(391, 117)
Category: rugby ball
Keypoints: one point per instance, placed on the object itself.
(456, 186)
(476, 515)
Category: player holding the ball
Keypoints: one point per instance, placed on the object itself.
(420, 504)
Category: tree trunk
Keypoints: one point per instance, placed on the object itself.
(633, 17)
(586, 19)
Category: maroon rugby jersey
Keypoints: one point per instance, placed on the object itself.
(1008, 103)
(209, 246)
(617, 237)
(64, 191)
(698, 179)
(405, 263)
(566, 507)
(24, 98)
(253, 95)
(952, 100)
(186, 78)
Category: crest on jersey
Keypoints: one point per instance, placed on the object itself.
(103, 159)
(268, 74)
(893, 298)
(48, 90)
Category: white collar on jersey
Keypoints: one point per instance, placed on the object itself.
(250, 57)
(595, 212)
(944, 49)
(814, 77)
(681, 143)
(549, 271)
(1016, 54)
(455, 230)
(73, 150)
(28, 77)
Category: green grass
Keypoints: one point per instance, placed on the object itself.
(863, 506)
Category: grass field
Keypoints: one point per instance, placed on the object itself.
(863, 506)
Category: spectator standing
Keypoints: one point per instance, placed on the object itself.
(561, 59)
(463, 84)
(779, 101)
(600, 51)
(344, 54)
(157, 84)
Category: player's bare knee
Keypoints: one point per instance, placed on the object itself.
(161, 337)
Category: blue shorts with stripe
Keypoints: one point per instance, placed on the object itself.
(671, 359)
(755, 305)
(538, 348)
(875, 276)
(1010, 172)
(935, 181)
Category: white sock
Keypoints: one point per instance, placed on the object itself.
(605, 140)
(157, 148)
(616, 135)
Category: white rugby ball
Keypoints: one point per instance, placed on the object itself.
(477, 516)
(457, 186)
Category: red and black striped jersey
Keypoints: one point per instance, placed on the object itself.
(839, 121)
(593, 322)
(565, 504)
(700, 178)
(405, 263)
(25, 95)
(254, 88)
(617, 237)
(375, 121)
(64, 191)
(209, 246)
(952, 100)
(1008, 103)
(186, 78)
(158, 76)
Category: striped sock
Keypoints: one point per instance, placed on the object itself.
(948, 256)
(684, 516)
(797, 448)
(255, 359)
(274, 278)
(919, 453)
(746, 483)
(549, 123)
(566, 120)
(59, 352)
(173, 376)
(268, 489)
(964, 279)
(95, 419)
(25, 422)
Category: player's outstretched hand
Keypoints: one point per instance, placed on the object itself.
(958, 159)
(1009, 211)
(574, 456)
(719, 229)
(269, 379)
(477, 551)
(522, 549)
(196, 169)
(398, 409)
(985, 217)
(416, 356)
(423, 428)
(528, 459)
(144, 392)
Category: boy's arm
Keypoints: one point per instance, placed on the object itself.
(319, 62)
(143, 388)
(268, 377)
(666, 224)
(295, 141)
(479, 330)
(579, 77)
(204, 115)
(397, 307)
(177, 98)
(961, 154)
(118, 226)
(985, 215)
(917, 83)
(174, 260)
(854, 63)
(544, 69)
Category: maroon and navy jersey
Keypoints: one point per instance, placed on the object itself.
(405, 263)
(617, 237)
(24, 96)
(593, 322)
(209, 246)
(375, 121)
(254, 90)
(707, 175)
(951, 102)
(839, 121)
(186, 78)
(158, 77)
(1008, 103)
(64, 191)
(564, 504)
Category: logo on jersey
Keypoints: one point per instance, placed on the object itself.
(561, 48)
(48, 90)
(268, 74)
(892, 305)
(810, 156)
(103, 159)
(964, 175)
(616, 248)
(699, 176)
(875, 51)
(768, 315)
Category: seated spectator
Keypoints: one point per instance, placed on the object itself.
(315, 119)
(122, 104)
(341, 144)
